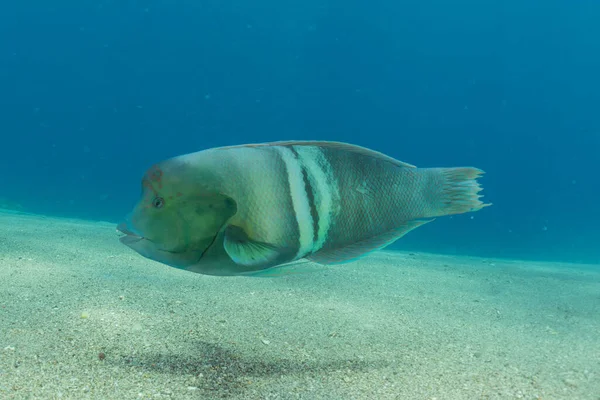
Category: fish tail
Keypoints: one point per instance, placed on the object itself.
(456, 191)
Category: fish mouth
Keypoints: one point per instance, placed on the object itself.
(130, 236)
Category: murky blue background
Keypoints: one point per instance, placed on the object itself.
(93, 92)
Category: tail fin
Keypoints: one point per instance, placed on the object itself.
(459, 190)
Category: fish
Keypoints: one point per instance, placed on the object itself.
(255, 209)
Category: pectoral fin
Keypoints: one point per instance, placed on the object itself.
(362, 248)
(247, 252)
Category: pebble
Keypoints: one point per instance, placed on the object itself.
(570, 382)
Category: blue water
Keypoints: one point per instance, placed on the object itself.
(94, 92)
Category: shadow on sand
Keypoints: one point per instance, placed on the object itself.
(220, 372)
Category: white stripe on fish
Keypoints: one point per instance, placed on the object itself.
(324, 187)
(299, 200)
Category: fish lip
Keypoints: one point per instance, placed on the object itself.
(130, 236)
(128, 240)
(122, 227)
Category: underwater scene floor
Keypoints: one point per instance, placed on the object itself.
(84, 317)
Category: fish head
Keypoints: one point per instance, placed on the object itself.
(178, 216)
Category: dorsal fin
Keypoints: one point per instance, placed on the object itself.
(331, 145)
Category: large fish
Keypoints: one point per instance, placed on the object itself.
(246, 209)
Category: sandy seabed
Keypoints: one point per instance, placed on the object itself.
(84, 317)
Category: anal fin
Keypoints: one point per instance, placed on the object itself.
(302, 266)
(363, 247)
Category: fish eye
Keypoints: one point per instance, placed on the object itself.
(158, 202)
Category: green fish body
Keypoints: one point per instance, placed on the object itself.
(246, 209)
